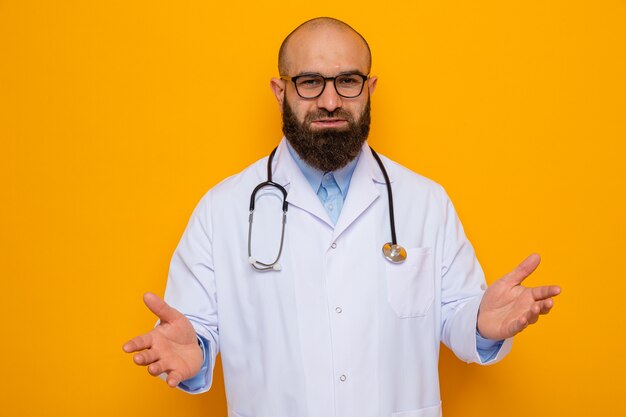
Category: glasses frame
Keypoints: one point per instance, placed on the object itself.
(326, 79)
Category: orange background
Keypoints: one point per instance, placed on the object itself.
(117, 116)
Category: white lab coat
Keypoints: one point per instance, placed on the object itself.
(339, 331)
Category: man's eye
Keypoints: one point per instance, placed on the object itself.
(309, 82)
(348, 81)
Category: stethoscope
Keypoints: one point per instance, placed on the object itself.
(391, 250)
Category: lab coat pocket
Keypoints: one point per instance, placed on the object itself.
(410, 285)
(434, 411)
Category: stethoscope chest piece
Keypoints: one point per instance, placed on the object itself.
(394, 253)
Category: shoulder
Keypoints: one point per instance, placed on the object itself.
(407, 180)
(414, 193)
(253, 174)
(234, 188)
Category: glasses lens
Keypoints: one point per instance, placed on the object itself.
(349, 85)
(310, 86)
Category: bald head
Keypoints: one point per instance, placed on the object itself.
(320, 25)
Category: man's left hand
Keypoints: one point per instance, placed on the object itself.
(507, 307)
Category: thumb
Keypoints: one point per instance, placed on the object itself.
(160, 308)
(524, 269)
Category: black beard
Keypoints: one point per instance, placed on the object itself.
(328, 149)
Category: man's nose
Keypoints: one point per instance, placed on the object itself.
(329, 99)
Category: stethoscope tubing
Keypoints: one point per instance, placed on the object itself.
(392, 251)
(392, 221)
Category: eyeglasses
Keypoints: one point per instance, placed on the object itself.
(313, 85)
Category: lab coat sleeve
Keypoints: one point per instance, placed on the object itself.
(462, 285)
(191, 287)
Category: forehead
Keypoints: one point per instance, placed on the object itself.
(326, 50)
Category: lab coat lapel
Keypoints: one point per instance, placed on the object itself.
(363, 190)
(299, 191)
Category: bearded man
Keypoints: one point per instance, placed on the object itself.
(310, 318)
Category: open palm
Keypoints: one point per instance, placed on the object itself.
(171, 347)
(508, 307)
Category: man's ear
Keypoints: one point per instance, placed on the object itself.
(372, 81)
(278, 88)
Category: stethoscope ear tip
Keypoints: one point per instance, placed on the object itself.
(277, 267)
(251, 260)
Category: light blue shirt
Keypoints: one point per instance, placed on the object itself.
(332, 189)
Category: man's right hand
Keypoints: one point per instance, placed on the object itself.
(171, 347)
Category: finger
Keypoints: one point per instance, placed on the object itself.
(156, 368)
(138, 343)
(173, 379)
(517, 326)
(160, 308)
(537, 309)
(546, 306)
(146, 357)
(533, 315)
(524, 269)
(545, 292)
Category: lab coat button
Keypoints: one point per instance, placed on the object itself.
(342, 378)
(334, 245)
(338, 310)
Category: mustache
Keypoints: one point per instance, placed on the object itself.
(319, 114)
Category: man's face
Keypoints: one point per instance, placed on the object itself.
(327, 131)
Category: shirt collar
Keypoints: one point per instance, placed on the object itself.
(314, 175)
